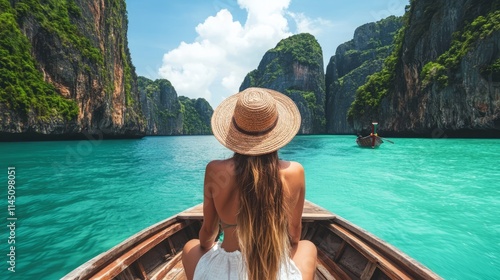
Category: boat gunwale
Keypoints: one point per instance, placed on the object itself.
(100, 261)
(395, 254)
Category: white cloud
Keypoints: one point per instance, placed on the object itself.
(215, 64)
(308, 25)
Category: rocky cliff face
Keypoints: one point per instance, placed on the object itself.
(197, 114)
(78, 78)
(352, 63)
(167, 114)
(160, 107)
(446, 78)
(295, 67)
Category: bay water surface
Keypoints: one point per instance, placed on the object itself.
(437, 200)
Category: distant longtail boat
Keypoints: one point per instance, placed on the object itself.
(372, 140)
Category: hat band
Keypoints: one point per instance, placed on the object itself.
(255, 133)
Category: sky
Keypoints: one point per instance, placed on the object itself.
(205, 48)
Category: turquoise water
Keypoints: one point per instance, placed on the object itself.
(438, 200)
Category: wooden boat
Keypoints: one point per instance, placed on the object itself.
(370, 141)
(345, 251)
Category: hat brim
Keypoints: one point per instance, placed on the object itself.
(286, 128)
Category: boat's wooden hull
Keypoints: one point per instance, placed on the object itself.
(369, 141)
(344, 251)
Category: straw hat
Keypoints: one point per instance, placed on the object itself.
(256, 121)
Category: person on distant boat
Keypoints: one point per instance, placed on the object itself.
(255, 198)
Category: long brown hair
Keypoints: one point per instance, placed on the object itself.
(262, 219)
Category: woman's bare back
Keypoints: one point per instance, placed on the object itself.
(221, 203)
(221, 179)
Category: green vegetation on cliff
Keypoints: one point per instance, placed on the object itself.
(169, 114)
(193, 122)
(369, 95)
(54, 16)
(463, 41)
(119, 24)
(492, 71)
(295, 68)
(72, 33)
(252, 78)
(162, 112)
(152, 86)
(22, 87)
(310, 98)
(303, 47)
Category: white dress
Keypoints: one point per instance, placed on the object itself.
(221, 265)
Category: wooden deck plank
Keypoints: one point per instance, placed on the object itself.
(177, 272)
(122, 262)
(369, 253)
(314, 212)
(311, 212)
(331, 267)
(163, 270)
(193, 213)
(323, 272)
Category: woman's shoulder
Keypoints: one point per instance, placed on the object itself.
(291, 167)
(220, 163)
(293, 176)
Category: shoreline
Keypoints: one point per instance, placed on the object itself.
(437, 134)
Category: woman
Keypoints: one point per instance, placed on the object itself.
(255, 198)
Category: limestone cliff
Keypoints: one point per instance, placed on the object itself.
(295, 68)
(197, 114)
(352, 63)
(160, 107)
(66, 71)
(168, 114)
(443, 78)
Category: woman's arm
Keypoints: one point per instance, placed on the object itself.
(296, 184)
(209, 228)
